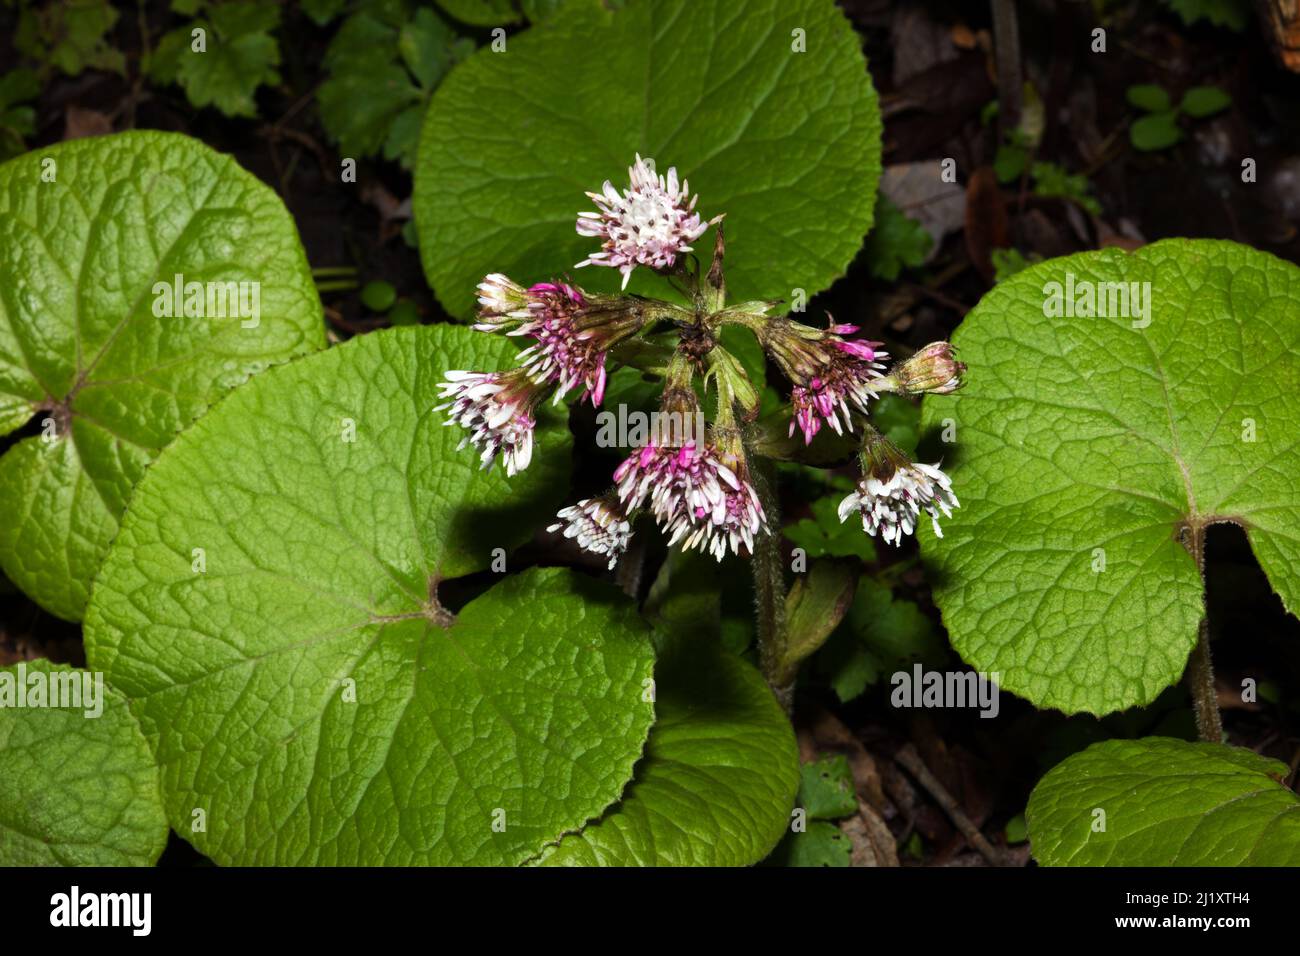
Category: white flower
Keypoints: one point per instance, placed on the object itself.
(501, 302)
(496, 408)
(891, 506)
(598, 524)
(650, 224)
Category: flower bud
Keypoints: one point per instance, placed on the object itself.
(933, 369)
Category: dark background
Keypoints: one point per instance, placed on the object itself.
(933, 64)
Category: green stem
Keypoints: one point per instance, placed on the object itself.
(769, 588)
(745, 314)
(656, 311)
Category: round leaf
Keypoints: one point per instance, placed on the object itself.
(378, 295)
(1090, 447)
(1163, 802)
(87, 229)
(786, 143)
(718, 779)
(720, 771)
(299, 678)
(1155, 132)
(78, 784)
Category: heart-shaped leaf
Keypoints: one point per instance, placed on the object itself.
(766, 109)
(1090, 447)
(1164, 802)
(718, 779)
(78, 783)
(87, 229)
(271, 608)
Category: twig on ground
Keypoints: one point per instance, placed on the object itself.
(911, 761)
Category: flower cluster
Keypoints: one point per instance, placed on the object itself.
(573, 332)
(833, 377)
(599, 524)
(894, 490)
(697, 488)
(696, 499)
(828, 373)
(496, 411)
(651, 223)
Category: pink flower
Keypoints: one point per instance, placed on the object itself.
(850, 369)
(650, 224)
(496, 409)
(827, 372)
(564, 354)
(696, 499)
(573, 329)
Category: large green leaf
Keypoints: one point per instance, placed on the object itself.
(81, 348)
(1088, 448)
(78, 784)
(305, 687)
(718, 779)
(1164, 802)
(786, 143)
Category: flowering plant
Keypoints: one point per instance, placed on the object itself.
(710, 492)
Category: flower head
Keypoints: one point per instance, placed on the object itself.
(564, 354)
(574, 329)
(650, 224)
(829, 373)
(600, 525)
(695, 497)
(502, 303)
(496, 409)
(894, 491)
(933, 369)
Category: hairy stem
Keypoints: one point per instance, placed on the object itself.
(769, 588)
(1200, 669)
